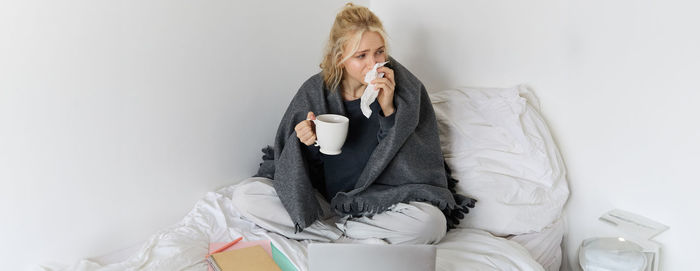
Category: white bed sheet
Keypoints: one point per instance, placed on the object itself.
(184, 245)
(544, 246)
(500, 149)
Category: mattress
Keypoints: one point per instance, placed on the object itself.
(184, 245)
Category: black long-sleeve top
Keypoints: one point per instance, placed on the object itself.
(341, 171)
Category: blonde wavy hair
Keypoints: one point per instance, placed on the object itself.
(349, 25)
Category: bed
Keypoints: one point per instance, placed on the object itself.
(497, 145)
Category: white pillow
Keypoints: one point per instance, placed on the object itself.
(500, 149)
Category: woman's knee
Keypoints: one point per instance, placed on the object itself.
(432, 226)
(419, 223)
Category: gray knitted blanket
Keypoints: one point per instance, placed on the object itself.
(407, 165)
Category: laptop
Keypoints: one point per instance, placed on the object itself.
(365, 257)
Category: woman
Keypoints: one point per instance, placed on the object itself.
(389, 184)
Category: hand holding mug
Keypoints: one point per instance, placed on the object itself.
(306, 130)
(328, 132)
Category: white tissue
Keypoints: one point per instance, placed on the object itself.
(370, 93)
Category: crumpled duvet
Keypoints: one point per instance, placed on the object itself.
(184, 245)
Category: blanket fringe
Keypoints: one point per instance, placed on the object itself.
(463, 203)
(453, 213)
(267, 166)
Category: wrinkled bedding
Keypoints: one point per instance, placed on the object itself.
(183, 246)
(501, 150)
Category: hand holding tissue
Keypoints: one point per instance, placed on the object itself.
(371, 92)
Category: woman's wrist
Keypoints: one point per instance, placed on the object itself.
(388, 109)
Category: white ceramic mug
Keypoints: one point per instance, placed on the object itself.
(331, 131)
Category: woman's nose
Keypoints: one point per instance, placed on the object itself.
(371, 61)
(379, 59)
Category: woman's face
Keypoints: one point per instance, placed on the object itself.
(370, 51)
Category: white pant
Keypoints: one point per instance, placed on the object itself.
(413, 223)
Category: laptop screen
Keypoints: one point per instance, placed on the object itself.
(353, 257)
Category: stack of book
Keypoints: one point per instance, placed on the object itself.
(247, 255)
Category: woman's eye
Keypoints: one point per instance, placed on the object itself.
(380, 52)
(361, 56)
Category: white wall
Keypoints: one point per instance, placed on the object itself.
(116, 116)
(618, 82)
